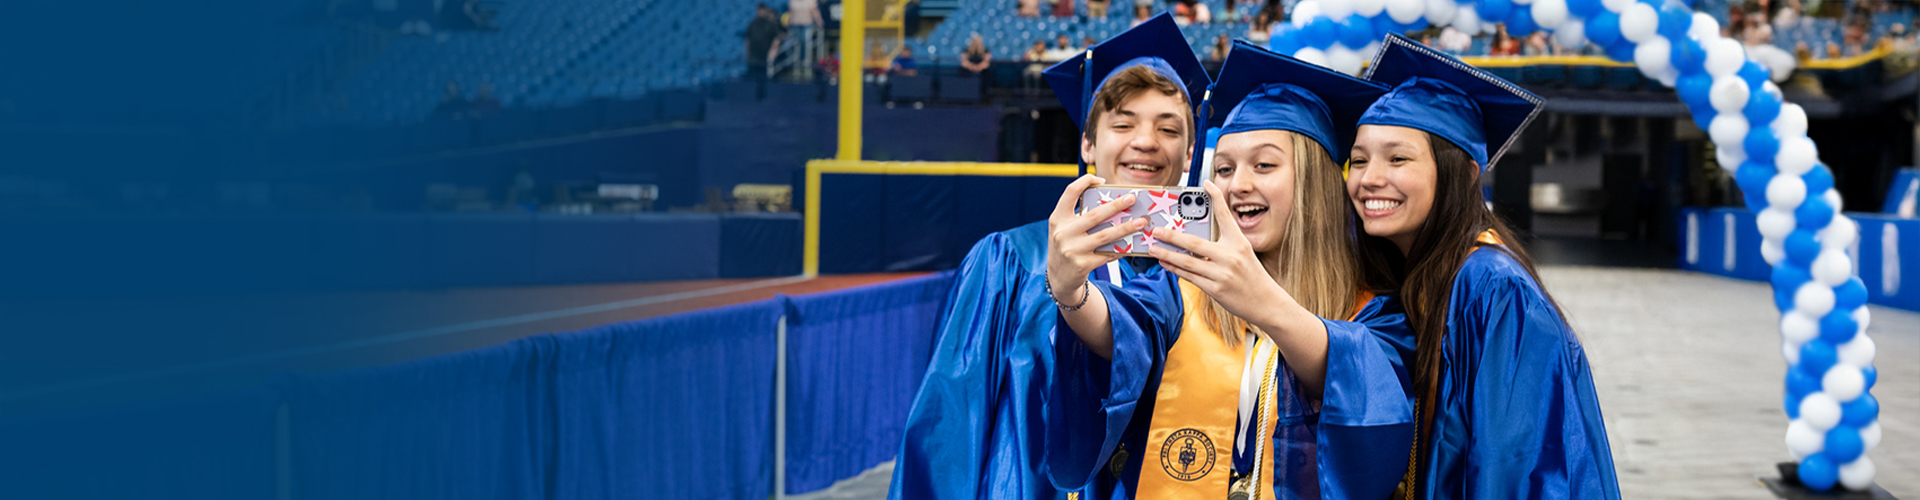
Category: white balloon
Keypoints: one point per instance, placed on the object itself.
(1772, 251)
(1833, 200)
(1768, 87)
(1729, 157)
(1844, 382)
(1729, 133)
(1839, 234)
(1343, 59)
(1820, 411)
(1790, 352)
(1639, 22)
(1786, 191)
(1863, 317)
(1704, 27)
(1792, 121)
(1550, 14)
(1796, 328)
(1813, 299)
(1305, 12)
(1367, 52)
(1724, 57)
(1571, 34)
(1797, 156)
(1440, 12)
(1467, 20)
(1832, 267)
(1775, 223)
(1803, 440)
(1369, 8)
(1654, 57)
(1522, 2)
(1870, 436)
(1729, 96)
(1312, 55)
(1858, 475)
(1338, 10)
(1615, 6)
(1406, 11)
(1857, 352)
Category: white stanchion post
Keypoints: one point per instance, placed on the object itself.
(780, 410)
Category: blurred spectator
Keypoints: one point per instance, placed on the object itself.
(1063, 8)
(1900, 39)
(1260, 30)
(1788, 16)
(802, 17)
(1218, 52)
(484, 104)
(1503, 44)
(1141, 14)
(1833, 50)
(877, 61)
(829, 64)
(763, 39)
(903, 64)
(1036, 53)
(1232, 14)
(1801, 51)
(1187, 12)
(453, 106)
(1537, 45)
(1853, 38)
(1736, 22)
(976, 58)
(1038, 56)
(1453, 41)
(1097, 9)
(1028, 8)
(1062, 49)
(1087, 41)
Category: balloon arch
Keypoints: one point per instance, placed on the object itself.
(1806, 238)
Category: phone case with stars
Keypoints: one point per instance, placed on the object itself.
(1184, 209)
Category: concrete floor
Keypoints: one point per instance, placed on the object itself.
(1690, 376)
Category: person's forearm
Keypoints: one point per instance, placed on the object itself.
(1302, 340)
(1090, 322)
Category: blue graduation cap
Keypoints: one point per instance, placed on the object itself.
(1156, 44)
(1479, 112)
(1263, 90)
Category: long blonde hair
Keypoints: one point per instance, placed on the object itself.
(1318, 264)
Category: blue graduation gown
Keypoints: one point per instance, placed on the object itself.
(974, 429)
(1354, 444)
(1517, 414)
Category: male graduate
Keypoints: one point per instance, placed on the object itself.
(975, 428)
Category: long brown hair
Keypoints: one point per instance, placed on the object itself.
(1424, 276)
(1318, 263)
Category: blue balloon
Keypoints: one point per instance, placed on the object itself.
(1689, 58)
(1603, 29)
(1496, 10)
(1783, 298)
(1356, 31)
(1762, 107)
(1520, 22)
(1753, 74)
(1788, 278)
(1872, 375)
(1800, 384)
(1285, 39)
(1802, 247)
(1814, 213)
(1818, 472)
(1416, 25)
(1583, 9)
(1850, 295)
(1818, 180)
(1761, 145)
(1843, 444)
(1383, 24)
(1860, 412)
(1675, 19)
(1319, 33)
(1838, 326)
(1621, 51)
(1752, 177)
(1703, 116)
(1791, 403)
(1816, 356)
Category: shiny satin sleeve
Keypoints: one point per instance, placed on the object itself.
(1365, 432)
(1522, 418)
(1091, 400)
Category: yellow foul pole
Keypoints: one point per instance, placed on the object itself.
(853, 41)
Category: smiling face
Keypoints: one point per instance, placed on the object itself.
(1391, 180)
(1144, 140)
(1256, 171)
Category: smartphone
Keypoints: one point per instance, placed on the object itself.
(1184, 209)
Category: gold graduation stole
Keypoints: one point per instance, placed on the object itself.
(1191, 437)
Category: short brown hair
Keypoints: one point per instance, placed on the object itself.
(1128, 83)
